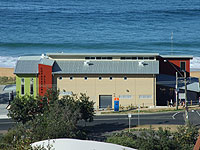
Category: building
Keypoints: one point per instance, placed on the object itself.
(135, 78)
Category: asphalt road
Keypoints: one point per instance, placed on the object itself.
(109, 123)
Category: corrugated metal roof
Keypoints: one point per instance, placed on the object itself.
(48, 62)
(106, 67)
(26, 67)
(102, 54)
(29, 64)
(177, 56)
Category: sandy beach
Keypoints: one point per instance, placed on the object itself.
(195, 74)
(8, 72)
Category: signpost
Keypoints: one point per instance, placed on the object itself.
(129, 122)
(138, 114)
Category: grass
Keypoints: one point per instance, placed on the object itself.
(170, 127)
(7, 80)
(150, 110)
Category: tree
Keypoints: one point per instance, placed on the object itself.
(183, 139)
(48, 117)
(86, 108)
(24, 108)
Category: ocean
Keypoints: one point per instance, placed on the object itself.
(33, 27)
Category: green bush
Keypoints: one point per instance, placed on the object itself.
(47, 117)
(148, 139)
(7, 80)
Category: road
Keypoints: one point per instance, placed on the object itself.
(109, 123)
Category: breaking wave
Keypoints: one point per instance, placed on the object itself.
(10, 62)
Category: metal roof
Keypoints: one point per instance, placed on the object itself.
(102, 54)
(177, 56)
(106, 67)
(26, 67)
(29, 64)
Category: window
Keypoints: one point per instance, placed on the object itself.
(85, 78)
(125, 78)
(98, 57)
(100, 78)
(151, 58)
(134, 58)
(145, 96)
(182, 65)
(31, 86)
(110, 78)
(125, 96)
(140, 58)
(71, 78)
(22, 86)
(60, 78)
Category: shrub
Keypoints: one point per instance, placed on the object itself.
(148, 139)
(48, 117)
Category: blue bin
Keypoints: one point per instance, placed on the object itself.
(116, 105)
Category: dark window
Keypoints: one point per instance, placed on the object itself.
(87, 57)
(125, 78)
(110, 58)
(22, 86)
(22, 89)
(134, 58)
(85, 78)
(31, 86)
(60, 78)
(100, 78)
(128, 58)
(151, 58)
(110, 78)
(71, 78)
(98, 57)
(122, 58)
(140, 57)
(182, 67)
(146, 57)
(92, 57)
(104, 58)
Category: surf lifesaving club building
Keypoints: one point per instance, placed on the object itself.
(147, 79)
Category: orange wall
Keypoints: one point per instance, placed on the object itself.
(45, 78)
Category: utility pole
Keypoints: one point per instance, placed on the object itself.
(186, 107)
(172, 34)
(176, 91)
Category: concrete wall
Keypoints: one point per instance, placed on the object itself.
(139, 88)
(27, 79)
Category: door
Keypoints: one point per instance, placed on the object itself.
(105, 101)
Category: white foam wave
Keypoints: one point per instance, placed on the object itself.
(195, 63)
(8, 61)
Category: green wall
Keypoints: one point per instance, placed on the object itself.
(27, 79)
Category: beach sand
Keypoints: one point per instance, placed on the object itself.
(8, 72)
(195, 74)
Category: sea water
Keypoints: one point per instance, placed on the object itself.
(33, 27)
